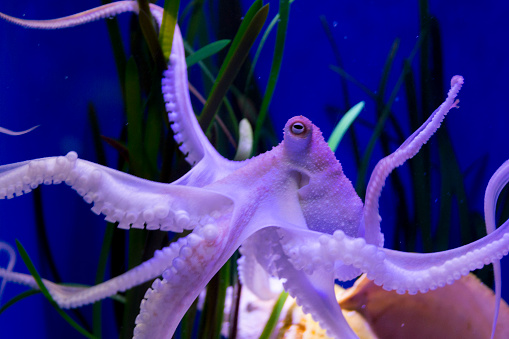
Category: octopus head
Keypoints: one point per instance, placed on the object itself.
(298, 133)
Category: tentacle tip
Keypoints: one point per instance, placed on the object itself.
(10, 265)
(457, 80)
(72, 156)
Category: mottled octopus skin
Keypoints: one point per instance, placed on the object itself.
(292, 212)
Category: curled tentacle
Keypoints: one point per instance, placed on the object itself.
(406, 151)
(123, 198)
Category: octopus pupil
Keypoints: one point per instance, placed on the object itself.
(298, 128)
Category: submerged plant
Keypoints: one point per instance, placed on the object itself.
(146, 131)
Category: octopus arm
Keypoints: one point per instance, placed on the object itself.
(165, 303)
(98, 13)
(209, 248)
(497, 182)
(407, 150)
(313, 289)
(400, 271)
(120, 197)
(188, 134)
(72, 297)
(419, 272)
(255, 267)
(252, 274)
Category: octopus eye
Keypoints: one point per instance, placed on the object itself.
(298, 128)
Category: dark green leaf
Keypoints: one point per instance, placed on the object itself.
(246, 22)
(153, 131)
(134, 117)
(17, 298)
(99, 277)
(31, 268)
(361, 177)
(118, 48)
(238, 53)
(147, 27)
(277, 59)
(206, 51)
(96, 135)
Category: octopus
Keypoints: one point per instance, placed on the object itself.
(291, 211)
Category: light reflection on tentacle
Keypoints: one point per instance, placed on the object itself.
(10, 264)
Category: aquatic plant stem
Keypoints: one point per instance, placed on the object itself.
(277, 59)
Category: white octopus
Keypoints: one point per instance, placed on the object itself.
(292, 212)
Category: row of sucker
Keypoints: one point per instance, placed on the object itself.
(23, 179)
(165, 302)
(146, 271)
(299, 285)
(176, 96)
(166, 217)
(99, 185)
(331, 252)
(412, 281)
(72, 297)
(163, 217)
(180, 134)
(407, 150)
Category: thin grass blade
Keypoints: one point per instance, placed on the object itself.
(343, 125)
(149, 33)
(206, 51)
(274, 316)
(31, 268)
(17, 298)
(134, 116)
(170, 16)
(277, 59)
(239, 51)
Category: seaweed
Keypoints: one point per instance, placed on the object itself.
(146, 147)
(419, 231)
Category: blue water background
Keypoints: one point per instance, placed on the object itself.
(47, 78)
